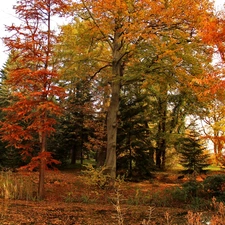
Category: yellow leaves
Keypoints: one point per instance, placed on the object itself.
(219, 125)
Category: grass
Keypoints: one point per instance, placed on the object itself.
(214, 168)
(16, 187)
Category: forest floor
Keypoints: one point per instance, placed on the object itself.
(69, 200)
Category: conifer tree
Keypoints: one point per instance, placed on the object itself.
(194, 157)
(134, 149)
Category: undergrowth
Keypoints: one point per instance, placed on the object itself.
(95, 176)
(15, 187)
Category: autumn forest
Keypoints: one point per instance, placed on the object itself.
(124, 88)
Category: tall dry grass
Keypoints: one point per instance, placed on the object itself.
(16, 187)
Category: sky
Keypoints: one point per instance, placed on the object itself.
(7, 16)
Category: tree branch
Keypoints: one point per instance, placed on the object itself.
(96, 24)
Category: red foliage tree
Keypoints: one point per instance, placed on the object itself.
(33, 82)
(213, 34)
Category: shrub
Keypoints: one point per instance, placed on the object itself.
(189, 194)
(178, 194)
(95, 176)
(219, 215)
(192, 189)
(215, 186)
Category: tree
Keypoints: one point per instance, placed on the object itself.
(168, 72)
(212, 115)
(212, 119)
(134, 148)
(119, 26)
(84, 118)
(33, 82)
(9, 158)
(194, 157)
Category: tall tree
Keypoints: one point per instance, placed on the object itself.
(212, 115)
(33, 82)
(168, 71)
(84, 109)
(121, 25)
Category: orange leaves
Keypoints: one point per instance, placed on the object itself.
(135, 19)
(32, 78)
(50, 162)
(209, 30)
(213, 32)
(167, 29)
(15, 135)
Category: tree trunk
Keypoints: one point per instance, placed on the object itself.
(110, 162)
(73, 155)
(100, 157)
(41, 178)
(151, 157)
(81, 155)
(161, 155)
(117, 73)
(42, 166)
(158, 158)
(43, 134)
(161, 142)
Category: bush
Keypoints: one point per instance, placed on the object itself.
(214, 186)
(192, 189)
(95, 176)
(178, 194)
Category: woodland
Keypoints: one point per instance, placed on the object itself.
(113, 97)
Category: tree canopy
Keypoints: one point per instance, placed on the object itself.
(117, 83)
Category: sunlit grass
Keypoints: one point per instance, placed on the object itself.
(214, 168)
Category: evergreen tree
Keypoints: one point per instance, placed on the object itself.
(194, 157)
(134, 149)
(9, 157)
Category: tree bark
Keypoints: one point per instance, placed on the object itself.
(110, 162)
(41, 178)
(73, 155)
(161, 142)
(42, 165)
(100, 157)
(117, 73)
(43, 134)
